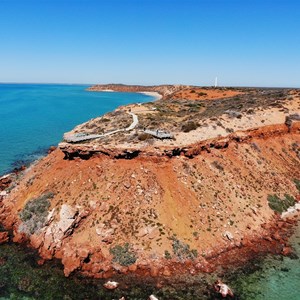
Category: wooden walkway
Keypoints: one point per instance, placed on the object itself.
(160, 134)
(81, 137)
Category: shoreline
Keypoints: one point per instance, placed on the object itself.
(156, 95)
(200, 285)
(44, 152)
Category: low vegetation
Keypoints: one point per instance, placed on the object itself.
(34, 213)
(167, 255)
(280, 205)
(182, 250)
(145, 136)
(123, 255)
(189, 126)
(217, 165)
(297, 183)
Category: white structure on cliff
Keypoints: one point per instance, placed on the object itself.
(216, 82)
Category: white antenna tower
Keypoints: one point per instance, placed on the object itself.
(216, 82)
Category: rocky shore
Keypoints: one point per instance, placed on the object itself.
(60, 236)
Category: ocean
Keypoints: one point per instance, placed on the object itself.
(34, 117)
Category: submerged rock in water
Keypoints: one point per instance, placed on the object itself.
(223, 289)
(111, 285)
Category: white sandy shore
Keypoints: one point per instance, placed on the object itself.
(156, 95)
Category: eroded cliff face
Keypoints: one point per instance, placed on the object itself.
(157, 214)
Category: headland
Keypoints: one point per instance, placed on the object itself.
(189, 183)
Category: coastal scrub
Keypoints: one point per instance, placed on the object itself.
(182, 250)
(123, 255)
(280, 205)
(34, 213)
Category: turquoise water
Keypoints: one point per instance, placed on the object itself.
(34, 117)
(275, 278)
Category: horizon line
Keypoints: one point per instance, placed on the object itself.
(220, 86)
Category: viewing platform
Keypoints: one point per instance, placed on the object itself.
(160, 134)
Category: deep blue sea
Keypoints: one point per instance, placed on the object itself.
(34, 116)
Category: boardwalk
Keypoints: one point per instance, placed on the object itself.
(81, 137)
(134, 123)
(160, 134)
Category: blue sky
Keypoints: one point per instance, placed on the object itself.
(244, 43)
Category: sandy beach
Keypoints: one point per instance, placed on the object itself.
(157, 96)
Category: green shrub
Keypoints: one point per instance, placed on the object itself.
(34, 213)
(123, 255)
(297, 183)
(145, 136)
(189, 126)
(167, 254)
(105, 120)
(280, 205)
(217, 165)
(182, 250)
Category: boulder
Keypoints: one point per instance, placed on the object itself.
(5, 181)
(111, 285)
(228, 235)
(51, 149)
(291, 118)
(106, 234)
(223, 289)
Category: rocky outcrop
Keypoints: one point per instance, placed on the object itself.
(5, 181)
(8, 179)
(51, 241)
(111, 285)
(291, 119)
(223, 289)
